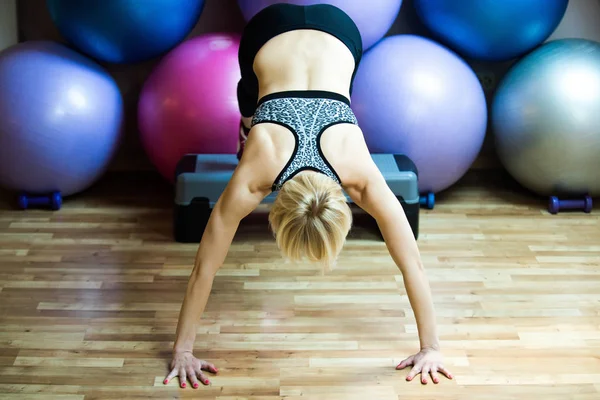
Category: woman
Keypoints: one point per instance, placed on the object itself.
(297, 66)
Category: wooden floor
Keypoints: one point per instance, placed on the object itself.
(89, 299)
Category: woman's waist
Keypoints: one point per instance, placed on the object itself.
(329, 83)
(304, 93)
(306, 88)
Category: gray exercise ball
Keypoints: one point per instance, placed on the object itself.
(546, 119)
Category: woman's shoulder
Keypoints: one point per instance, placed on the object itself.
(265, 154)
(345, 149)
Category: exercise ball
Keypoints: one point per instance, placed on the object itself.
(491, 30)
(373, 19)
(60, 119)
(545, 117)
(416, 97)
(189, 102)
(124, 31)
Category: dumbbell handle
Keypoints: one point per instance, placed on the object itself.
(570, 203)
(37, 200)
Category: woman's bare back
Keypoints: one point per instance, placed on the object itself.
(304, 60)
(307, 60)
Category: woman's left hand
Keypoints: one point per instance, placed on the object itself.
(425, 362)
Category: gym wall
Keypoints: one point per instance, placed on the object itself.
(34, 23)
(8, 23)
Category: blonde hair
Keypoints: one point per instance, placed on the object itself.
(310, 218)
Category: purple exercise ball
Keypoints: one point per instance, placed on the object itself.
(414, 96)
(60, 119)
(373, 18)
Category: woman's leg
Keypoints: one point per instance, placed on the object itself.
(243, 135)
(247, 104)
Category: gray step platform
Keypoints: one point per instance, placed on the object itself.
(201, 178)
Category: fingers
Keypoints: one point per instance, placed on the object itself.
(428, 369)
(444, 371)
(203, 378)
(193, 380)
(425, 373)
(406, 362)
(202, 375)
(193, 373)
(171, 375)
(182, 378)
(413, 372)
(435, 376)
(209, 367)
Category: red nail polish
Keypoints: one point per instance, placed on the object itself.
(207, 382)
(196, 385)
(183, 385)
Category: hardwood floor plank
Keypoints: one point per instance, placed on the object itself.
(90, 297)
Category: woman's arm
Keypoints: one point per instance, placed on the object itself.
(371, 192)
(235, 203)
(248, 186)
(237, 200)
(376, 198)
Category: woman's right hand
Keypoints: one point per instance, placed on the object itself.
(186, 366)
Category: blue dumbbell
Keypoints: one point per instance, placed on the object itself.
(555, 204)
(52, 200)
(427, 201)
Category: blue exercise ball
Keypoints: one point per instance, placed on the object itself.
(61, 118)
(125, 31)
(491, 30)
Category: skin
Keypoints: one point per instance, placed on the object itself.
(305, 60)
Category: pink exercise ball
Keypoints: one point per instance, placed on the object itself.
(189, 102)
(373, 18)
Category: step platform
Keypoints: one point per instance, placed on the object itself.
(201, 178)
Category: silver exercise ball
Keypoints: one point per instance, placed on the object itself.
(546, 119)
